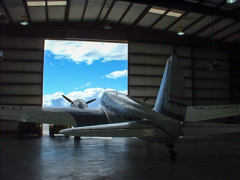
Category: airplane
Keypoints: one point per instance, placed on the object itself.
(120, 115)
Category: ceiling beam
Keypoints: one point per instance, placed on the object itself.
(46, 11)
(27, 11)
(201, 1)
(145, 11)
(160, 18)
(177, 20)
(194, 22)
(109, 10)
(230, 35)
(125, 13)
(6, 10)
(104, 2)
(67, 10)
(93, 31)
(222, 29)
(190, 6)
(221, 4)
(84, 10)
(208, 26)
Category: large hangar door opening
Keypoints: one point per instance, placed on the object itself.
(83, 70)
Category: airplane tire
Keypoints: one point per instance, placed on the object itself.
(51, 134)
(39, 132)
(77, 138)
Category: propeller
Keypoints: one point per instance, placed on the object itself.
(69, 100)
(90, 101)
(78, 102)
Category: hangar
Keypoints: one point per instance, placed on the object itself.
(208, 50)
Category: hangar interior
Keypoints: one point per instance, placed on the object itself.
(150, 27)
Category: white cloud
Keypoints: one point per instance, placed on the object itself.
(124, 91)
(87, 52)
(117, 74)
(87, 84)
(56, 99)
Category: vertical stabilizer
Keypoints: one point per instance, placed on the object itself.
(171, 99)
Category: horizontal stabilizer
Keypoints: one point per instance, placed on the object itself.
(202, 113)
(205, 128)
(127, 129)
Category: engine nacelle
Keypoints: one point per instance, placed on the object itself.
(79, 103)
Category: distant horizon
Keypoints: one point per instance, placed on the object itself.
(82, 70)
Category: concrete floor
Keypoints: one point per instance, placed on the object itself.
(215, 157)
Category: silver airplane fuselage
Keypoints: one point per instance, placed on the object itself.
(119, 107)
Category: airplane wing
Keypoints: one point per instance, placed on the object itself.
(51, 115)
(201, 113)
(139, 129)
(205, 128)
(48, 115)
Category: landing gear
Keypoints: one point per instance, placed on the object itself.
(172, 153)
(77, 138)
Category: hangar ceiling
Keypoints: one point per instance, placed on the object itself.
(156, 19)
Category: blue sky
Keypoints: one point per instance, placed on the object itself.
(82, 70)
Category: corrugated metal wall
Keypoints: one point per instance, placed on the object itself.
(204, 87)
(21, 71)
(21, 76)
(210, 86)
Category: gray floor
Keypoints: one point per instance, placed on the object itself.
(215, 157)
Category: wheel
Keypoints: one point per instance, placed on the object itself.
(51, 134)
(77, 138)
(39, 132)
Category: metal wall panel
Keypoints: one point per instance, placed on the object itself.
(21, 89)
(146, 67)
(150, 49)
(21, 73)
(21, 66)
(20, 78)
(21, 43)
(211, 86)
(18, 54)
(204, 87)
(21, 70)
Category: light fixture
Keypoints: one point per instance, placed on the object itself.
(231, 1)
(24, 20)
(107, 26)
(214, 65)
(180, 31)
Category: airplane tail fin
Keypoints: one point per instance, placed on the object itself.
(171, 100)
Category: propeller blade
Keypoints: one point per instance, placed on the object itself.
(90, 101)
(69, 100)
